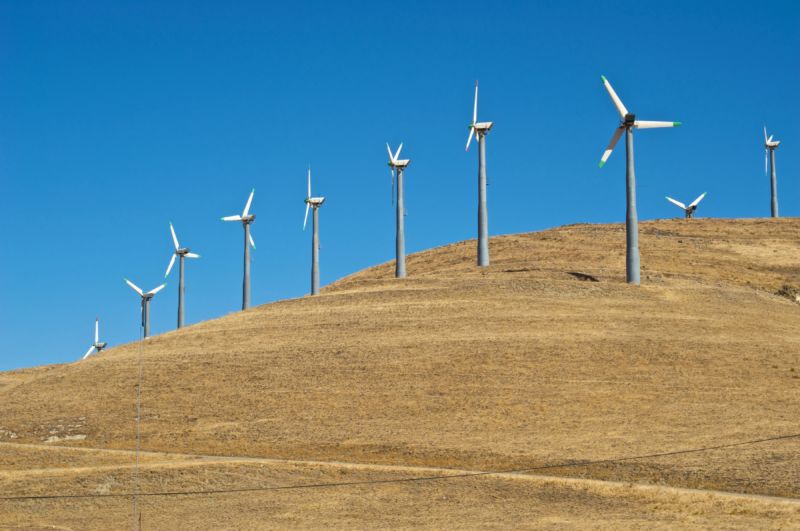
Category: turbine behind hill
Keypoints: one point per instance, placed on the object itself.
(769, 156)
(627, 124)
(246, 218)
(687, 210)
(481, 129)
(97, 345)
(313, 203)
(182, 252)
(399, 166)
(146, 297)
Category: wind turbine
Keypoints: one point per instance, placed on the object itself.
(687, 210)
(146, 297)
(246, 218)
(182, 252)
(628, 123)
(769, 154)
(314, 203)
(97, 345)
(481, 129)
(399, 166)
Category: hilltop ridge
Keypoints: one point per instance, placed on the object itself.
(544, 358)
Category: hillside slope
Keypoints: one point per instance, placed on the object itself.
(545, 358)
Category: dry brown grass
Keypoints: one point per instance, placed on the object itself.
(515, 366)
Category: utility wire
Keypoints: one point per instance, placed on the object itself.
(407, 480)
(136, 515)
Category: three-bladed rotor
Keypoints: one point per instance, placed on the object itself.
(179, 251)
(245, 217)
(769, 144)
(145, 295)
(480, 128)
(311, 202)
(689, 210)
(395, 163)
(627, 121)
(97, 345)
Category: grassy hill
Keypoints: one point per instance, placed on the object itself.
(542, 361)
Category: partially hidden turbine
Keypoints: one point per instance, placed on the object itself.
(246, 218)
(399, 166)
(181, 252)
(687, 210)
(770, 146)
(313, 203)
(146, 297)
(97, 345)
(628, 123)
(481, 129)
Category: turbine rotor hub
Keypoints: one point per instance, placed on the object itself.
(629, 119)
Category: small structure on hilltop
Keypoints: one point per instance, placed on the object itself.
(687, 210)
(97, 345)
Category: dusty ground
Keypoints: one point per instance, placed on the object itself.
(521, 365)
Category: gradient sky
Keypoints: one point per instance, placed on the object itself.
(118, 117)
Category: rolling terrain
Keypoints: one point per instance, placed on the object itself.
(593, 402)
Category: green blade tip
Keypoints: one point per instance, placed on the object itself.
(603, 78)
(602, 162)
(676, 124)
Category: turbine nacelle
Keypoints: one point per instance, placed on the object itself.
(315, 202)
(481, 127)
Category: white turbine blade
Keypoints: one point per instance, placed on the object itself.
(135, 288)
(469, 138)
(305, 219)
(174, 238)
(697, 201)
(765, 134)
(156, 290)
(192, 255)
(644, 124)
(253, 243)
(246, 210)
(475, 106)
(237, 217)
(610, 148)
(309, 185)
(396, 155)
(91, 349)
(171, 263)
(97, 330)
(388, 150)
(617, 102)
(676, 203)
(769, 140)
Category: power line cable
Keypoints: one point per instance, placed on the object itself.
(405, 480)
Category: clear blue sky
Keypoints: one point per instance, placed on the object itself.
(117, 117)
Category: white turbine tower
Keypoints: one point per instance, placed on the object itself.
(481, 129)
(97, 345)
(182, 252)
(399, 166)
(313, 203)
(628, 123)
(687, 210)
(769, 156)
(146, 297)
(246, 218)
